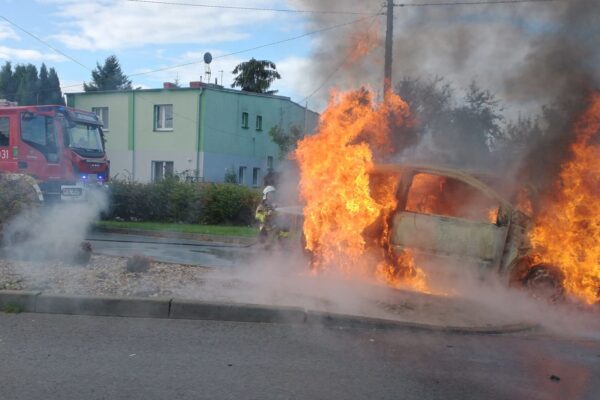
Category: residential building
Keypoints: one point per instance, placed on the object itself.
(202, 132)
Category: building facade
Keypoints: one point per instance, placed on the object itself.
(203, 132)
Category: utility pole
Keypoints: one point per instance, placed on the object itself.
(387, 72)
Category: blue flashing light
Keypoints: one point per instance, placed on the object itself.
(84, 177)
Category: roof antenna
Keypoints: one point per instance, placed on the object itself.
(207, 61)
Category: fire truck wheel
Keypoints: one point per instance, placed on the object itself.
(545, 282)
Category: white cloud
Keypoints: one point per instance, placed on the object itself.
(295, 81)
(70, 86)
(195, 71)
(112, 25)
(28, 55)
(295, 77)
(7, 32)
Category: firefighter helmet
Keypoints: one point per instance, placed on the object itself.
(267, 190)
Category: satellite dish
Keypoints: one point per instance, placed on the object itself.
(207, 57)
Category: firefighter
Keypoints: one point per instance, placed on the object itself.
(269, 231)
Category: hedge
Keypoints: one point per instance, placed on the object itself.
(173, 201)
(15, 195)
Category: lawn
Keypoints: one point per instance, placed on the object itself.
(223, 230)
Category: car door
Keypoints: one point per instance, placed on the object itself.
(445, 218)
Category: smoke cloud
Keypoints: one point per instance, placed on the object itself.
(51, 232)
(528, 53)
(540, 61)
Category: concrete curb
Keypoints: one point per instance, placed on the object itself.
(104, 306)
(241, 240)
(189, 309)
(23, 299)
(200, 310)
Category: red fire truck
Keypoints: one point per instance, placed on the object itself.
(58, 151)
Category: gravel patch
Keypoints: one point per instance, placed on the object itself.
(103, 276)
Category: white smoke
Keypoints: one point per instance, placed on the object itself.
(52, 231)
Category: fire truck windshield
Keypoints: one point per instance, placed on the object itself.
(85, 137)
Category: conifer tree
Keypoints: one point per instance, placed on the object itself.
(108, 77)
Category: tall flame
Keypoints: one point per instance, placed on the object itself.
(567, 233)
(335, 182)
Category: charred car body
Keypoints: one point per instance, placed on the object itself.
(452, 218)
(447, 216)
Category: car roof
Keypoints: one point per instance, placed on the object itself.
(480, 180)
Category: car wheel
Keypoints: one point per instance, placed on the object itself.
(545, 282)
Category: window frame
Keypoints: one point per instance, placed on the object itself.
(245, 120)
(154, 163)
(259, 123)
(242, 174)
(478, 219)
(161, 117)
(7, 131)
(105, 122)
(255, 176)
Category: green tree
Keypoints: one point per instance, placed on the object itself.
(55, 94)
(8, 85)
(26, 87)
(44, 92)
(27, 84)
(255, 75)
(286, 141)
(108, 77)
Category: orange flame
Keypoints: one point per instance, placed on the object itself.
(335, 184)
(362, 42)
(567, 233)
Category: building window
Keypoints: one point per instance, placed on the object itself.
(259, 122)
(4, 132)
(269, 162)
(161, 170)
(163, 117)
(102, 113)
(255, 176)
(245, 120)
(242, 175)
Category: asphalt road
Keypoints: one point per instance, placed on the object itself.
(171, 250)
(77, 357)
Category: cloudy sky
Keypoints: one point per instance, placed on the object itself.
(506, 47)
(149, 36)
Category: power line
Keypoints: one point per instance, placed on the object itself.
(340, 65)
(257, 47)
(471, 3)
(287, 10)
(221, 56)
(44, 42)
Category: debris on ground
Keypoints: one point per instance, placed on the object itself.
(139, 264)
(103, 276)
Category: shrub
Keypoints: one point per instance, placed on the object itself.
(138, 264)
(174, 201)
(15, 196)
(228, 204)
(83, 254)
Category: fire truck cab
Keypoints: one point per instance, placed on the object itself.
(58, 149)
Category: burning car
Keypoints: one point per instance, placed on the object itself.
(452, 217)
(408, 225)
(449, 217)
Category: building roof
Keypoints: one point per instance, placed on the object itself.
(202, 86)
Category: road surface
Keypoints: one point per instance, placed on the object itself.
(170, 250)
(76, 357)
